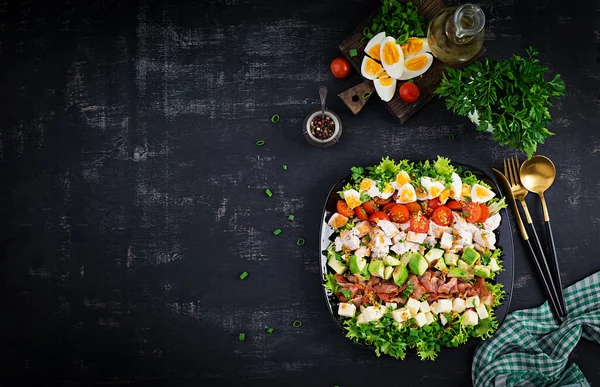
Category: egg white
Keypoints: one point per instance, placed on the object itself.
(410, 74)
(363, 69)
(406, 194)
(481, 194)
(375, 40)
(456, 187)
(393, 69)
(386, 93)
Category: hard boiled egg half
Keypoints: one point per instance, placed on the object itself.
(392, 57)
(481, 194)
(417, 59)
(373, 48)
(385, 87)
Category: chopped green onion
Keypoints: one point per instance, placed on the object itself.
(275, 119)
(451, 136)
(291, 217)
(366, 31)
(284, 167)
(364, 40)
(277, 232)
(243, 275)
(260, 142)
(300, 241)
(369, 35)
(353, 53)
(242, 336)
(297, 324)
(366, 95)
(268, 192)
(270, 330)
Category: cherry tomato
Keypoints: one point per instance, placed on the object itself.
(427, 211)
(442, 216)
(381, 202)
(361, 213)
(471, 212)
(454, 205)
(485, 213)
(414, 208)
(434, 203)
(399, 213)
(343, 208)
(409, 92)
(340, 67)
(369, 207)
(419, 223)
(378, 215)
(388, 207)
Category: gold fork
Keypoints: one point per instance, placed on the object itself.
(511, 171)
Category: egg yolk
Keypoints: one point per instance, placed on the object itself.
(365, 185)
(444, 195)
(374, 52)
(402, 178)
(406, 195)
(391, 54)
(481, 192)
(386, 81)
(416, 63)
(435, 191)
(352, 201)
(373, 68)
(466, 190)
(413, 46)
(388, 188)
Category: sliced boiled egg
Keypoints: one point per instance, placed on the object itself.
(401, 178)
(387, 191)
(456, 187)
(433, 188)
(352, 198)
(373, 48)
(385, 87)
(416, 65)
(444, 196)
(392, 57)
(370, 187)
(415, 46)
(370, 69)
(481, 194)
(406, 194)
(421, 194)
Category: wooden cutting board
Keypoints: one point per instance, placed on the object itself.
(427, 83)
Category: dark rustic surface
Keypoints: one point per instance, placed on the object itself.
(133, 191)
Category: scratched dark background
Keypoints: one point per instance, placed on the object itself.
(133, 191)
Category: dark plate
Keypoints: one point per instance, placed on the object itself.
(503, 238)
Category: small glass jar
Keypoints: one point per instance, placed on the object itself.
(313, 132)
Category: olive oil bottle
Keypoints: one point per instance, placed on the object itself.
(455, 35)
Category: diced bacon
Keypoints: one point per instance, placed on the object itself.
(481, 288)
(373, 281)
(386, 288)
(418, 290)
(386, 297)
(447, 287)
(340, 279)
(462, 288)
(429, 282)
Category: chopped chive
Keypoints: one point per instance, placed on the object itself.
(451, 136)
(270, 330)
(260, 142)
(300, 241)
(284, 167)
(366, 95)
(353, 52)
(242, 336)
(275, 118)
(297, 324)
(366, 31)
(243, 275)
(268, 192)
(364, 40)
(369, 36)
(277, 232)
(291, 217)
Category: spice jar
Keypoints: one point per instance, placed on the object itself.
(322, 131)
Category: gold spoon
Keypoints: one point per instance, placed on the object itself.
(537, 175)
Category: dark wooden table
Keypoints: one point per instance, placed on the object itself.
(133, 191)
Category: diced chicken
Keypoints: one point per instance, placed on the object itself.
(388, 228)
(338, 244)
(492, 222)
(464, 238)
(416, 237)
(363, 228)
(350, 240)
(362, 251)
(435, 230)
(485, 238)
(430, 240)
(337, 220)
(446, 241)
(460, 224)
(380, 251)
(401, 236)
(378, 238)
(405, 226)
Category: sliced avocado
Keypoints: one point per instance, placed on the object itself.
(357, 265)
(406, 258)
(451, 259)
(376, 268)
(387, 273)
(482, 271)
(336, 265)
(457, 272)
(391, 261)
(364, 274)
(494, 265)
(441, 266)
(464, 266)
(470, 255)
(433, 255)
(417, 264)
(400, 275)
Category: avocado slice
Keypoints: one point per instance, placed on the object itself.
(470, 255)
(336, 265)
(391, 261)
(464, 266)
(441, 266)
(451, 259)
(387, 273)
(417, 264)
(457, 272)
(400, 275)
(357, 265)
(376, 268)
(482, 271)
(364, 274)
(406, 258)
(434, 255)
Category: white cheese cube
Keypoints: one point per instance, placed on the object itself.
(444, 305)
(472, 302)
(347, 309)
(388, 228)
(458, 305)
(373, 313)
(362, 308)
(482, 312)
(446, 241)
(361, 319)
(393, 305)
(405, 226)
(421, 319)
(443, 319)
(416, 237)
(401, 315)
(424, 307)
(434, 307)
(470, 318)
(429, 318)
(413, 306)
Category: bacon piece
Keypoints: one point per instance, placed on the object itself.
(447, 287)
(418, 290)
(340, 279)
(436, 296)
(373, 281)
(386, 288)
(386, 297)
(463, 288)
(429, 282)
(481, 288)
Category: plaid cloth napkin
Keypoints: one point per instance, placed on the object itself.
(530, 349)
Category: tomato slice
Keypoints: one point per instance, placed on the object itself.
(388, 207)
(471, 212)
(442, 216)
(434, 203)
(399, 213)
(414, 208)
(361, 213)
(343, 208)
(419, 223)
(378, 215)
(485, 213)
(454, 205)
(369, 207)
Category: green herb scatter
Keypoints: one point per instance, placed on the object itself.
(399, 20)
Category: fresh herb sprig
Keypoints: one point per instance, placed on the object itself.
(510, 96)
(399, 20)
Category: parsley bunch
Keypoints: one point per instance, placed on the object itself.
(512, 96)
(398, 20)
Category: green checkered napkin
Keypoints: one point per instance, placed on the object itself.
(530, 349)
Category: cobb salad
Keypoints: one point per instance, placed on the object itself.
(414, 257)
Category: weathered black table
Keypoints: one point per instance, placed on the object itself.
(133, 191)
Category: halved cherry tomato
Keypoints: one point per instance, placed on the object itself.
(369, 207)
(343, 208)
(378, 215)
(442, 216)
(434, 203)
(485, 213)
(388, 207)
(414, 208)
(471, 212)
(381, 202)
(361, 213)
(454, 205)
(427, 211)
(399, 213)
(419, 223)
